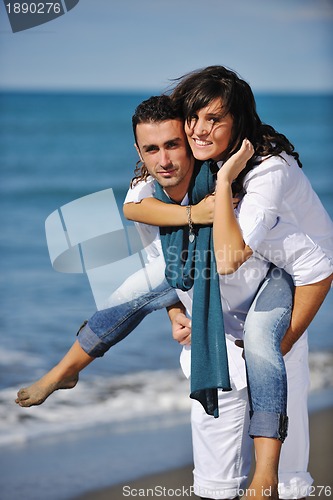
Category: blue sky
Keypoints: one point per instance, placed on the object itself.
(276, 45)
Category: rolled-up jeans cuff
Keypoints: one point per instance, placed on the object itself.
(271, 425)
(90, 342)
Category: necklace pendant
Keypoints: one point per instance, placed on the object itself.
(191, 237)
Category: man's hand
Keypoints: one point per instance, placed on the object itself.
(307, 301)
(181, 329)
(181, 324)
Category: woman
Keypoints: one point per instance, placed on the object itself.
(219, 111)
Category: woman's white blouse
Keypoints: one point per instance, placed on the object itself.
(283, 220)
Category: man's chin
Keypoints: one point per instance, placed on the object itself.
(167, 181)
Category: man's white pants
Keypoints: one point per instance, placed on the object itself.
(222, 448)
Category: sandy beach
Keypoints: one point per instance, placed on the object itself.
(180, 479)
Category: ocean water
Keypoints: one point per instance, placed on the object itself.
(55, 148)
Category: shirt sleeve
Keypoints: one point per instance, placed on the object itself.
(259, 210)
(303, 259)
(141, 190)
(149, 235)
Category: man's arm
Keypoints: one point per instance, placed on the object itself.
(307, 301)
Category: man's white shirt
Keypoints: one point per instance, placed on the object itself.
(237, 290)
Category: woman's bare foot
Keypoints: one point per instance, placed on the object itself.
(38, 392)
(62, 376)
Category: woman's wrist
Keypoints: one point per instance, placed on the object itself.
(223, 183)
(195, 214)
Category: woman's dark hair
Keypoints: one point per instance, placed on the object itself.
(198, 89)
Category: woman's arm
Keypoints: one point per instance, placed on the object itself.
(229, 246)
(155, 212)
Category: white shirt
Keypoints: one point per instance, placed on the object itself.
(283, 220)
(237, 290)
(273, 232)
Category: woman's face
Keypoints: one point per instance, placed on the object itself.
(209, 131)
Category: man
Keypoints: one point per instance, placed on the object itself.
(222, 447)
(163, 147)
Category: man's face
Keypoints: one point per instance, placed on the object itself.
(164, 149)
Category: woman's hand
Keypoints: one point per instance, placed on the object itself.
(203, 212)
(236, 163)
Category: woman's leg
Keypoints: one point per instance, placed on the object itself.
(126, 308)
(265, 326)
(142, 293)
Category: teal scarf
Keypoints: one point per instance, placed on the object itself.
(193, 262)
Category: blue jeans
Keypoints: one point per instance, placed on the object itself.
(142, 293)
(265, 326)
(266, 323)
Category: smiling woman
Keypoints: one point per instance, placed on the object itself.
(209, 131)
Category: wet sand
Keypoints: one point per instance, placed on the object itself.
(180, 480)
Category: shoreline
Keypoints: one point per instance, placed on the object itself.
(179, 480)
(95, 463)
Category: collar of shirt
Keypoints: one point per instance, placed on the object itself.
(184, 200)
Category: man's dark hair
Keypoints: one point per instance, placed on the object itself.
(156, 109)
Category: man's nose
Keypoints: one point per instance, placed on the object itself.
(164, 158)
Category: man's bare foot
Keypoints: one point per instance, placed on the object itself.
(262, 489)
(38, 392)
